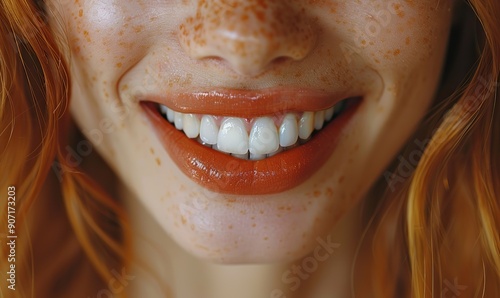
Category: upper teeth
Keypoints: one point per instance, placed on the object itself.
(265, 138)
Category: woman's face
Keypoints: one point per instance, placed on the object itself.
(249, 79)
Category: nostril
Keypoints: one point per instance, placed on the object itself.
(280, 60)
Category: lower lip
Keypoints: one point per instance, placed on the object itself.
(222, 173)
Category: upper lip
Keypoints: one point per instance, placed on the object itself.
(249, 103)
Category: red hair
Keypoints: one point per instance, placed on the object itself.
(446, 214)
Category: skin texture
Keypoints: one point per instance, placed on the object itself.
(389, 52)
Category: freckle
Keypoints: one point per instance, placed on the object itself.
(119, 64)
(329, 192)
(230, 227)
(183, 220)
(253, 217)
(158, 161)
(138, 29)
(397, 52)
(266, 238)
(341, 179)
(80, 13)
(87, 36)
(254, 225)
(317, 193)
(377, 61)
(125, 87)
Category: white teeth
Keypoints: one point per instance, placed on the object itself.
(170, 115)
(178, 120)
(289, 131)
(191, 125)
(306, 125)
(319, 119)
(257, 156)
(280, 149)
(216, 148)
(329, 114)
(164, 109)
(208, 130)
(264, 137)
(233, 136)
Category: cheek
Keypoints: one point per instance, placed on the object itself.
(102, 35)
(388, 34)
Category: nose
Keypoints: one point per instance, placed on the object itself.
(249, 35)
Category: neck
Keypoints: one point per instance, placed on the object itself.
(183, 275)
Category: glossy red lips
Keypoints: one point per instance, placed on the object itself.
(223, 173)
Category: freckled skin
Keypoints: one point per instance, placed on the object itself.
(251, 29)
(390, 52)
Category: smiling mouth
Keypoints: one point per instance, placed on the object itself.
(241, 150)
(253, 138)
